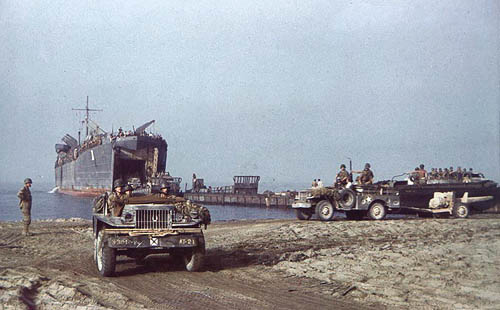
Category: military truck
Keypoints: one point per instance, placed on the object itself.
(356, 202)
(149, 225)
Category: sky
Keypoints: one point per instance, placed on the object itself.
(287, 90)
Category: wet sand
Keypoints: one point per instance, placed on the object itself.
(265, 264)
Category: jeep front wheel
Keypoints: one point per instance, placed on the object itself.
(105, 256)
(324, 210)
(193, 259)
(303, 214)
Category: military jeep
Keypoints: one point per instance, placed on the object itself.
(356, 201)
(148, 227)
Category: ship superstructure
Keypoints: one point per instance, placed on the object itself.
(91, 166)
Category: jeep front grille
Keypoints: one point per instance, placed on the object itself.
(153, 219)
(303, 195)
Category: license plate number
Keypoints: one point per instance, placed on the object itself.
(186, 241)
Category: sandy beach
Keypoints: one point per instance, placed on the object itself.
(265, 264)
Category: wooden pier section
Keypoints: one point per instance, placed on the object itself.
(240, 199)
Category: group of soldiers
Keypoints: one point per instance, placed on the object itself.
(460, 175)
(123, 194)
(343, 177)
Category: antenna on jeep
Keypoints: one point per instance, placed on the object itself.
(350, 168)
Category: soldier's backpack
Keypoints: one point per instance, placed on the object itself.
(99, 203)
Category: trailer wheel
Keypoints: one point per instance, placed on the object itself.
(105, 257)
(377, 211)
(461, 211)
(355, 215)
(324, 210)
(347, 198)
(303, 214)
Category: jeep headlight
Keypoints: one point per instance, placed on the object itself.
(178, 217)
(128, 217)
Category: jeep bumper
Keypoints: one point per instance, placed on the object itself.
(159, 240)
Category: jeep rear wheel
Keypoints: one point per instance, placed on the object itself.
(303, 214)
(193, 259)
(377, 211)
(105, 256)
(324, 210)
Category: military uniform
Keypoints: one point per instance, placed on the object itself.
(342, 177)
(24, 196)
(366, 176)
(116, 203)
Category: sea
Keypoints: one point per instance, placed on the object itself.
(48, 204)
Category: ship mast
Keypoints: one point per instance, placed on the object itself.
(87, 110)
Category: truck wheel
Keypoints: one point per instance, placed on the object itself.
(461, 211)
(303, 214)
(194, 259)
(347, 198)
(355, 215)
(324, 210)
(377, 211)
(105, 256)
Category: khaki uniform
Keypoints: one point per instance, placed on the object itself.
(116, 203)
(342, 177)
(366, 176)
(24, 196)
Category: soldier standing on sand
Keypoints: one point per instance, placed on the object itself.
(117, 199)
(24, 196)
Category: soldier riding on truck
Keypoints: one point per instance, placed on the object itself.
(356, 201)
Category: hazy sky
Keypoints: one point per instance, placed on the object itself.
(283, 89)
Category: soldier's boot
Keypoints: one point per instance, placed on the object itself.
(26, 230)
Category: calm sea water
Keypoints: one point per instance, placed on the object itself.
(54, 205)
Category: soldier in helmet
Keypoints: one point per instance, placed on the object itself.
(164, 191)
(128, 190)
(24, 196)
(117, 199)
(366, 176)
(342, 177)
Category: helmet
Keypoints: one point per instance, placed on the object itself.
(118, 183)
(422, 166)
(342, 166)
(164, 185)
(27, 180)
(367, 165)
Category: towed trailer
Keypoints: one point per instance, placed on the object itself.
(447, 203)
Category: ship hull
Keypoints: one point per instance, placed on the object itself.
(90, 173)
(93, 170)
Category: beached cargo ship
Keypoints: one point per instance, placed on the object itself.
(89, 168)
